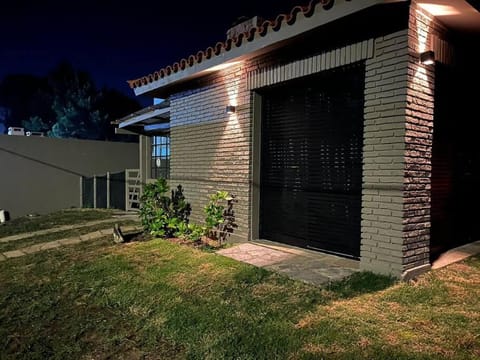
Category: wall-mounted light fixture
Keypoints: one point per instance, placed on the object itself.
(427, 58)
(230, 109)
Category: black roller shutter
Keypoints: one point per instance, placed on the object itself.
(311, 161)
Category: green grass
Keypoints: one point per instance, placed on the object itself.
(28, 241)
(158, 300)
(58, 218)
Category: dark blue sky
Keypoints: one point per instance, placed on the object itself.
(116, 40)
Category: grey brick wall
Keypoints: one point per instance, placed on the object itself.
(399, 108)
(384, 148)
(210, 150)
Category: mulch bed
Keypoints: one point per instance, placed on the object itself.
(203, 244)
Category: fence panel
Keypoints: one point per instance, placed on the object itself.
(87, 192)
(112, 190)
(101, 192)
(117, 190)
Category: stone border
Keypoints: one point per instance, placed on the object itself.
(61, 242)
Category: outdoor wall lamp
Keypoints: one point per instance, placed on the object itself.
(427, 58)
(230, 109)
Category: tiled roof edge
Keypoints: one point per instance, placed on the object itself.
(222, 47)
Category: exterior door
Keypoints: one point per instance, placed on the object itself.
(311, 161)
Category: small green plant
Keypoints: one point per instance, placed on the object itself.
(161, 215)
(220, 219)
(191, 231)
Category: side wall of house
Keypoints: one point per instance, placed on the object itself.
(210, 149)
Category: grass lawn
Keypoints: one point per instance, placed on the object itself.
(63, 217)
(158, 300)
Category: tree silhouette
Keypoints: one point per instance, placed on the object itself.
(25, 96)
(65, 103)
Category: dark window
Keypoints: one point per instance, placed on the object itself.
(160, 163)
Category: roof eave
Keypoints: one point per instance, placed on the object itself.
(259, 45)
(141, 122)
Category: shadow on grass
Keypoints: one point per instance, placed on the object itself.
(360, 283)
(357, 284)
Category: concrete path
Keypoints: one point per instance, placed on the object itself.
(300, 264)
(126, 216)
(458, 254)
(65, 242)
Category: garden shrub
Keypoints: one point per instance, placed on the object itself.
(160, 214)
(220, 219)
(168, 216)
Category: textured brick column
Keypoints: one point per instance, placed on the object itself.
(384, 155)
(399, 108)
(418, 142)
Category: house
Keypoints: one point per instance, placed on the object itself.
(345, 126)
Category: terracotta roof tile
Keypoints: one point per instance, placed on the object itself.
(222, 47)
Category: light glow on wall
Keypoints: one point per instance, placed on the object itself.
(421, 78)
(232, 94)
(439, 10)
(423, 25)
(223, 66)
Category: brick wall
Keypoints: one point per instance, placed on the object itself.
(399, 107)
(210, 150)
(384, 148)
(424, 34)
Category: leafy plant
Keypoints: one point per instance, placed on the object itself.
(162, 215)
(180, 208)
(228, 225)
(191, 231)
(220, 219)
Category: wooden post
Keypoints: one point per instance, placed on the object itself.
(126, 189)
(81, 192)
(108, 190)
(94, 191)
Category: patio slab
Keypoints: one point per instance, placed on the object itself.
(300, 264)
(457, 254)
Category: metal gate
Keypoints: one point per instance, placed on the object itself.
(113, 190)
(311, 161)
(133, 189)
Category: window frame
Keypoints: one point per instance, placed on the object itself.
(160, 150)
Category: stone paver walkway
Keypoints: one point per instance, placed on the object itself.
(116, 218)
(315, 267)
(64, 242)
(300, 264)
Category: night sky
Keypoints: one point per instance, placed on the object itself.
(116, 40)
